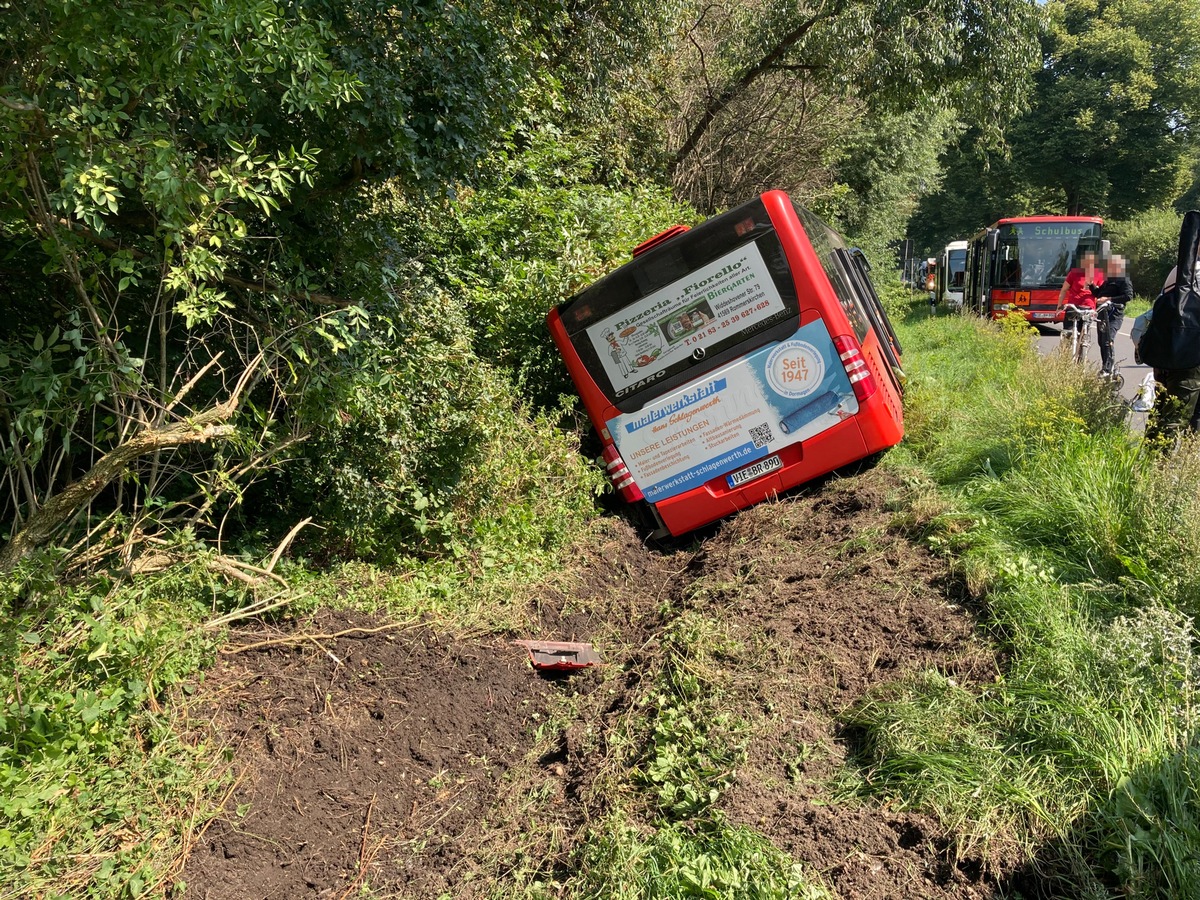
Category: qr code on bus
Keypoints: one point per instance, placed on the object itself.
(761, 435)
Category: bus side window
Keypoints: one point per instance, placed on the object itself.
(859, 267)
(864, 296)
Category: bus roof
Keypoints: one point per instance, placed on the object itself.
(1013, 220)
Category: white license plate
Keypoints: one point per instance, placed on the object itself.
(762, 467)
(1043, 315)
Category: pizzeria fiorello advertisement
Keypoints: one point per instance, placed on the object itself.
(707, 306)
(746, 411)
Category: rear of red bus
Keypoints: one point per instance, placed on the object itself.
(732, 361)
(1023, 262)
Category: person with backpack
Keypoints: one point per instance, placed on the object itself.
(1171, 342)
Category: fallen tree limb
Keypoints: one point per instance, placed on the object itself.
(42, 523)
(305, 638)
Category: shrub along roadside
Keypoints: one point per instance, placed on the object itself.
(1081, 547)
(102, 784)
(430, 466)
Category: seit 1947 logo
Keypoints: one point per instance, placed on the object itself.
(795, 369)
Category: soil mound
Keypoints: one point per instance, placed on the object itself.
(410, 760)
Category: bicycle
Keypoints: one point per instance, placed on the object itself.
(1078, 340)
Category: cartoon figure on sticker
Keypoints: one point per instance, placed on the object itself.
(640, 344)
(617, 352)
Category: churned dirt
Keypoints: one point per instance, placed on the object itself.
(427, 764)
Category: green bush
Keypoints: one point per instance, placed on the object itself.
(1150, 241)
(541, 231)
(97, 786)
(711, 859)
(382, 475)
(430, 453)
(438, 433)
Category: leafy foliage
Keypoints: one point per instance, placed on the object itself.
(886, 160)
(1108, 131)
(1150, 241)
(96, 782)
(538, 231)
(165, 177)
(759, 77)
(1118, 84)
(128, 183)
(711, 860)
(433, 458)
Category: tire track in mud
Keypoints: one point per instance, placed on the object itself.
(424, 763)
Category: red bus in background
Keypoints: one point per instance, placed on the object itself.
(931, 269)
(1019, 264)
(731, 361)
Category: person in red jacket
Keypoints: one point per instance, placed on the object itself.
(1075, 292)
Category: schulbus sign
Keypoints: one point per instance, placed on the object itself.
(1053, 230)
(711, 304)
(744, 412)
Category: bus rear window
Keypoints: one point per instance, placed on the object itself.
(691, 299)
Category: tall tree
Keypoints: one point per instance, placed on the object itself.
(1110, 129)
(767, 83)
(977, 186)
(1111, 125)
(177, 183)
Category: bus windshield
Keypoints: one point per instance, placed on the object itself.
(1039, 254)
(956, 274)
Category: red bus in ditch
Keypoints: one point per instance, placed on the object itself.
(731, 361)
(1018, 265)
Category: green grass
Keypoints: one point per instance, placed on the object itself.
(98, 783)
(1080, 545)
(710, 859)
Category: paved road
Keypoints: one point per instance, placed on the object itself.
(1122, 348)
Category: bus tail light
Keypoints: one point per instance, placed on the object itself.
(852, 358)
(618, 473)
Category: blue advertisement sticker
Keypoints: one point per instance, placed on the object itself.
(781, 394)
